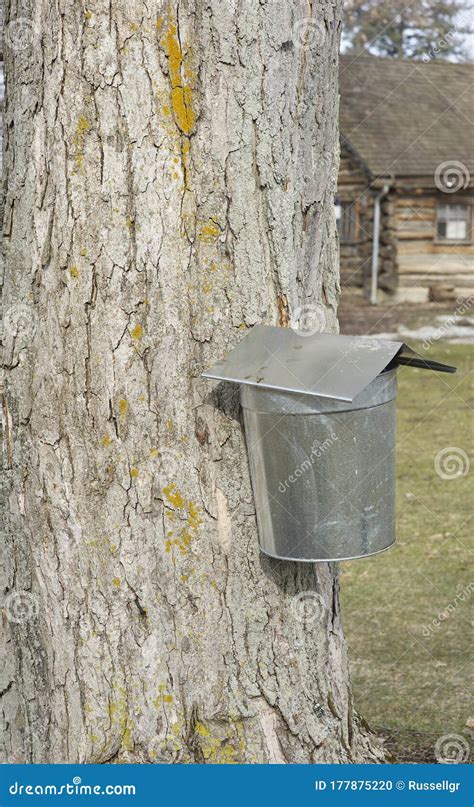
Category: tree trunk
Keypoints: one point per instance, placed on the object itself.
(170, 183)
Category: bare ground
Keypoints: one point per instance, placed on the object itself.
(357, 316)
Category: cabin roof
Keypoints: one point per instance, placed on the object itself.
(404, 117)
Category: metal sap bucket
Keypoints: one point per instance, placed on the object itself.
(323, 471)
(319, 417)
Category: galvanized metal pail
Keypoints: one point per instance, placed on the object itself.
(319, 412)
(323, 471)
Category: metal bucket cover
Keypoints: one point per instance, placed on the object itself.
(324, 364)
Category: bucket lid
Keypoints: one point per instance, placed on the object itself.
(324, 364)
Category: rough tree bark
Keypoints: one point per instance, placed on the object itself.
(170, 180)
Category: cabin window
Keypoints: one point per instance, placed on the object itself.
(453, 222)
(346, 220)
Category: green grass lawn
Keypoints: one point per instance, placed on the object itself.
(410, 674)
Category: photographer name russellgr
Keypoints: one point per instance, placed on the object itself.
(451, 787)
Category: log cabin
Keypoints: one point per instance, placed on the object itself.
(404, 205)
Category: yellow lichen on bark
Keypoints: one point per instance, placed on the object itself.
(209, 232)
(225, 750)
(137, 332)
(190, 513)
(83, 126)
(181, 76)
(123, 406)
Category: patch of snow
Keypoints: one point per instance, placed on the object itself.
(459, 330)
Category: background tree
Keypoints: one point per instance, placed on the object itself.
(424, 28)
(170, 183)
